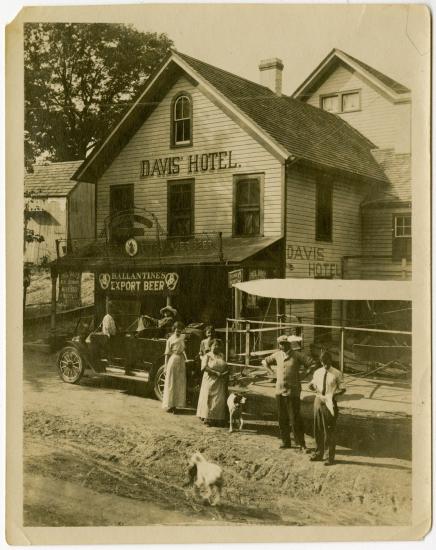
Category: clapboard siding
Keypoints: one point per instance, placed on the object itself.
(50, 222)
(213, 131)
(81, 211)
(377, 230)
(385, 123)
(300, 225)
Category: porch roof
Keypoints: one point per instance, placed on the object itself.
(234, 250)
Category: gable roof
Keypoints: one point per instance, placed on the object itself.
(297, 130)
(52, 180)
(396, 91)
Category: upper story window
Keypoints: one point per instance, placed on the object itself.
(248, 205)
(324, 211)
(180, 208)
(341, 102)
(121, 199)
(402, 237)
(182, 120)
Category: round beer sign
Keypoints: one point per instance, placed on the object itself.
(131, 247)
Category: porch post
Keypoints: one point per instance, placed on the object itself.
(54, 278)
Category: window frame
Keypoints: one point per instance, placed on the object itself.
(186, 143)
(260, 176)
(118, 186)
(323, 183)
(340, 96)
(396, 216)
(172, 184)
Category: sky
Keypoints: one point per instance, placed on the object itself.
(237, 38)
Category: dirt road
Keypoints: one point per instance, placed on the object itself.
(102, 454)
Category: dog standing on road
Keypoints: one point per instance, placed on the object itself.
(206, 478)
(235, 404)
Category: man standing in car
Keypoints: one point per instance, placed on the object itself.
(288, 388)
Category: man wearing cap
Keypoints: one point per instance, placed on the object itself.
(288, 389)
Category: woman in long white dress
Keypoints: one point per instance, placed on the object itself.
(174, 393)
(211, 406)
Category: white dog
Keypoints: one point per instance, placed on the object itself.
(206, 477)
(235, 404)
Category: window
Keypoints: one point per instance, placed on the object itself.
(247, 200)
(182, 120)
(180, 208)
(324, 211)
(121, 198)
(402, 237)
(350, 102)
(330, 103)
(341, 102)
(403, 226)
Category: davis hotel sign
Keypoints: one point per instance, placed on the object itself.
(141, 282)
(190, 164)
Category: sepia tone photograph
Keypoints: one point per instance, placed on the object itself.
(218, 276)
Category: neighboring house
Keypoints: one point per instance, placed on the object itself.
(380, 109)
(205, 153)
(60, 209)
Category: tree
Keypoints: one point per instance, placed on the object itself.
(78, 78)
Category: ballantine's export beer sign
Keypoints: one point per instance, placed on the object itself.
(189, 164)
(140, 282)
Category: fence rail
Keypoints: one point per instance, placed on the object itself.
(245, 339)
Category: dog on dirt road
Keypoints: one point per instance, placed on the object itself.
(206, 478)
(235, 403)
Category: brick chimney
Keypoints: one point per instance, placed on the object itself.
(271, 74)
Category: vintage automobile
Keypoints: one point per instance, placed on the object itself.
(130, 355)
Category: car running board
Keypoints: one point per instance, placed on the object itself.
(114, 372)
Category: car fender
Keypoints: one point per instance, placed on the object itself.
(84, 351)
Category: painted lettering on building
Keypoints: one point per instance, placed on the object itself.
(139, 282)
(315, 260)
(190, 164)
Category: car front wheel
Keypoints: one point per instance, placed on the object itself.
(70, 365)
(159, 382)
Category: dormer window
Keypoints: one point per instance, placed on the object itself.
(341, 102)
(182, 120)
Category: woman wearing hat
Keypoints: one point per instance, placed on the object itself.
(169, 315)
(174, 393)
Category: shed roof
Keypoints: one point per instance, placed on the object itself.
(397, 167)
(52, 180)
(300, 131)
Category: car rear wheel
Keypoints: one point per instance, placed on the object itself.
(159, 382)
(70, 365)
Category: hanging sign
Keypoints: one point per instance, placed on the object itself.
(236, 276)
(139, 282)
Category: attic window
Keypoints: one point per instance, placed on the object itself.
(341, 102)
(182, 120)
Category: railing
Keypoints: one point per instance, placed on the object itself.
(356, 349)
(376, 267)
(166, 246)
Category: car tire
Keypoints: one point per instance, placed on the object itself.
(159, 381)
(71, 365)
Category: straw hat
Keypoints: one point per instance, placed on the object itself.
(169, 309)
